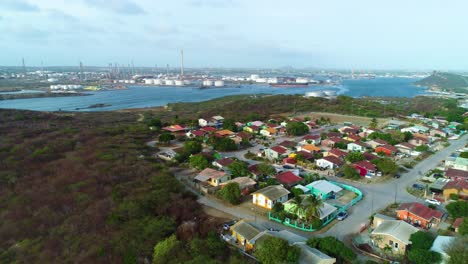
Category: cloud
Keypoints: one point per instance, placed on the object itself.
(213, 3)
(18, 5)
(119, 6)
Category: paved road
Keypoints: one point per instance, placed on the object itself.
(378, 196)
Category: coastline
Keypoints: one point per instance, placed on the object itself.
(37, 95)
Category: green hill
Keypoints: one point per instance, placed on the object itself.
(444, 80)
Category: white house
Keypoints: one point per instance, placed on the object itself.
(357, 146)
(329, 162)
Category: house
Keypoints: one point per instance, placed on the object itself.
(455, 174)
(212, 177)
(365, 168)
(313, 255)
(394, 234)
(352, 138)
(244, 136)
(388, 150)
(309, 148)
(246, 184)
(357, 146)
(223, 163)
(333, 134)
(367, 132)
(216, 121)
(304, 189)
(311, 139)
(208, 129)
(437, 133)
(457, 187)
(175, 129)
(270, 195)
(376, 142)
(379, 219)
(461, 164)
(323, 189)
(327, 211)
(305, 154)
(256, 123)
(407, 148)
(457, 223)
(288, 144)
(269, 132)
(252, 129)
(276, 152)
(196, 134)
(311, 125)
(331, 141)
(288, 179)
(329, 162)
(419, 139)
(245, 234)
(337, 153)
(224, 133)
(440, 244)
(419, 214)
(369, 156)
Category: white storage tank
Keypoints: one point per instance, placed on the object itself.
(315, 94)
(329, 93)
(126, 81)
(254, 77)
(157, 81)
(302, 80)
(187, 82)
(179, 83)
(219, 83)
(207, 83)
(132, 81)
(260, 80)
(169, 82)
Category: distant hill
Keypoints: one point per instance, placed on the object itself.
(444, 80)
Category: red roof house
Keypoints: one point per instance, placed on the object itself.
(419, 214)
(288, 178)
(365, 168)
(455, 174)
(389, 150)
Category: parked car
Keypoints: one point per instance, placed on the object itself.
(418, 186)
(379, 173)
(228, 225)
(288, 167)
(341, 216)
(433, 201)
(397, 176)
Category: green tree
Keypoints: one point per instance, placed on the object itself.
(457, 250)
(166, 137)
(350, 172)
(266, 169)
(297, 128)
(355, 157)
(193, 147)
(464, 155)
(297, 192)
(408, 136)
(277, 207)
(239, 169)
(230, 124)
(332, 246)
(313, 207)
(422, 148)
(165, 250)
(155, 122)
(423, 256)
(274, 250)
(199, 162)
(374, 123)
(231, 193)
(463, 228)
(421, 240)
(224, 144)
(458, 209)
(341, 145)
(386, 166)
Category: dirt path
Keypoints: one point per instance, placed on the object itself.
(340, 119)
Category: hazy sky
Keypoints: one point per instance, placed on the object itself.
(359, 34)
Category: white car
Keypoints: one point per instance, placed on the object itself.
(433, 201)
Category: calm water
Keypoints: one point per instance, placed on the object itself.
(141, 96)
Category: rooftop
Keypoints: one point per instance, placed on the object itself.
(440, 243)
(421, 210)
(397, 229)
(324, 186)
(245, 229)
(273, 192)
(209, 173)
(288, 178)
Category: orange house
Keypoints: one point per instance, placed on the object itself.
(389, 150)
(419, 214)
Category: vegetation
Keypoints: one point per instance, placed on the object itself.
(464, 155)
(83, 188)
(458, 209)
(355, 157)
(274, 250)
(386, 166)
(192, 147)
(231, 193)
(223, 144)
(457, 250)
(266, 169)
(333, 247)
(166, 137)
(463, 228)
(230, 124)
(239, 168)
(419, 252)
(297, 128)
(350, 172)
(444, 80)
(199, 162)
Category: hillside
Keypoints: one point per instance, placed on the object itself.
(444, 80)
(83, 188)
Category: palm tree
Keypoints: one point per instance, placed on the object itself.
(313, 208)
(298, 205)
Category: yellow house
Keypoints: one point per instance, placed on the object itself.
(269, 131)
(244, 234)
(268, 196)
(310, 148)
(459, 187)
(225, 132)
(212, 177)
(394, 235)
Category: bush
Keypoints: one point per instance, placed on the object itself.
(458, 209)
(454, 196)
(422, 256)
(276, 250)
(231, 193)
(421, 240)
(332, 246)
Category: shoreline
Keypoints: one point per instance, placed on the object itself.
(37, 95)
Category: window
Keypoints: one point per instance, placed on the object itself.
(390, 242)
(396, 245)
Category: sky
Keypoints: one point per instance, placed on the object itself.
(341, 34)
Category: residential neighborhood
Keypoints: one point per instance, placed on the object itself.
(295, 177)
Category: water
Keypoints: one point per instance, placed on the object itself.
(142, 96)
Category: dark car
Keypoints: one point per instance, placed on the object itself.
(341, 216)
(288, 167)
(397, 176)
(418, 186)
(227, 225)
